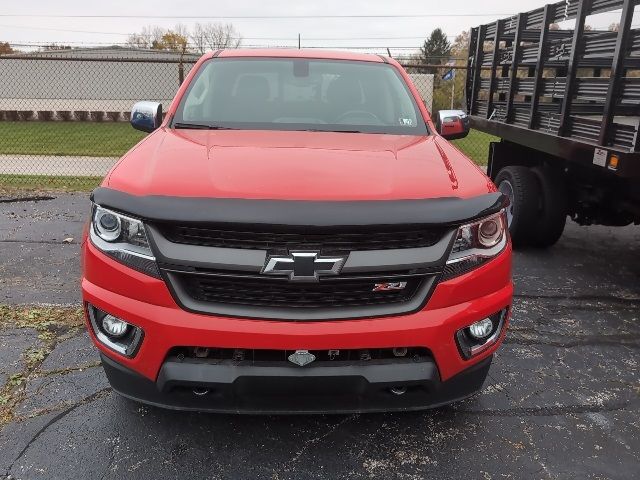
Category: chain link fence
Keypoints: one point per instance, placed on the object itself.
(64, 115)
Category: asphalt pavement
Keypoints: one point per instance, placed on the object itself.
(562, 399)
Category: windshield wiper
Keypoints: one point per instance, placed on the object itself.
(200, 126)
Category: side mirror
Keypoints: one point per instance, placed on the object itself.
(453, 124)
(146, 116)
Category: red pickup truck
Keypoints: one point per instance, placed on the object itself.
(296, 235)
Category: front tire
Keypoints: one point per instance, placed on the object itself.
(521, 185)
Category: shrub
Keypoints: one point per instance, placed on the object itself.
(126, 116)
(81, 115)
(45, 115)
(97, 116)
(11, 115)
(64, 115)
(25, 115)
(113, 116)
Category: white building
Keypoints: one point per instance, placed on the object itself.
(84, 79)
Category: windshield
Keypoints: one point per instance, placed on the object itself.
(299, 94)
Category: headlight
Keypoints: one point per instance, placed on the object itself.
(122, 238)
(476, 243)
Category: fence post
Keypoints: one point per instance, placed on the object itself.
(181, 66)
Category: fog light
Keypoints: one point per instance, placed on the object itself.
(481, 328)
(114, 327)
(480, 335)
(114, 333)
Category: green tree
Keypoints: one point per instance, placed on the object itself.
(436, 49)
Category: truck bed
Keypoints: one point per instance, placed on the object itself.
(566, 92)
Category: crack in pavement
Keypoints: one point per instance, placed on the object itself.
(43, 242)
(63, 371)
(309, 443)
(91, 398)
(46, 384)
(34, 198)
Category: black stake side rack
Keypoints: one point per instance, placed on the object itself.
(570, 93)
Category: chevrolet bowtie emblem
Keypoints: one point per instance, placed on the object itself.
(302, 357)
(303, 266)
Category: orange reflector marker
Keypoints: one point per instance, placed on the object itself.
(613, 162)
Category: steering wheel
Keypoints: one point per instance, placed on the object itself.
(364, 113)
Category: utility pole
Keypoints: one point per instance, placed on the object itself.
(298, 41)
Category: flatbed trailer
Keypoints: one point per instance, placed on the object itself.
(566, 105)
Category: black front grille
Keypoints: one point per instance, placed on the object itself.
(281, 241)
(263, 292)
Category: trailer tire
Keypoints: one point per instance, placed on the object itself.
(521, 185)
(553, 207)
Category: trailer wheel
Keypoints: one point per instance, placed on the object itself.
(521, 186)
(553, 209)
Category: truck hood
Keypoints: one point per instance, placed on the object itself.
(296, 166)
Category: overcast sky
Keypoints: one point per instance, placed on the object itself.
(394, 32)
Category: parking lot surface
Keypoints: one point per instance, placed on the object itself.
(562, 399)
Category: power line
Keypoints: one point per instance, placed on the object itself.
(24, 27)
(260, 17)
(421, 37)
(259, 46)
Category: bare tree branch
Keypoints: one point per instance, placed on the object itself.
(214, 36)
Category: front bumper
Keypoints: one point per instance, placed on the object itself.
(233, 388)
(147, 303)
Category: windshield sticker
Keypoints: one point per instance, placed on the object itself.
(406, 122)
